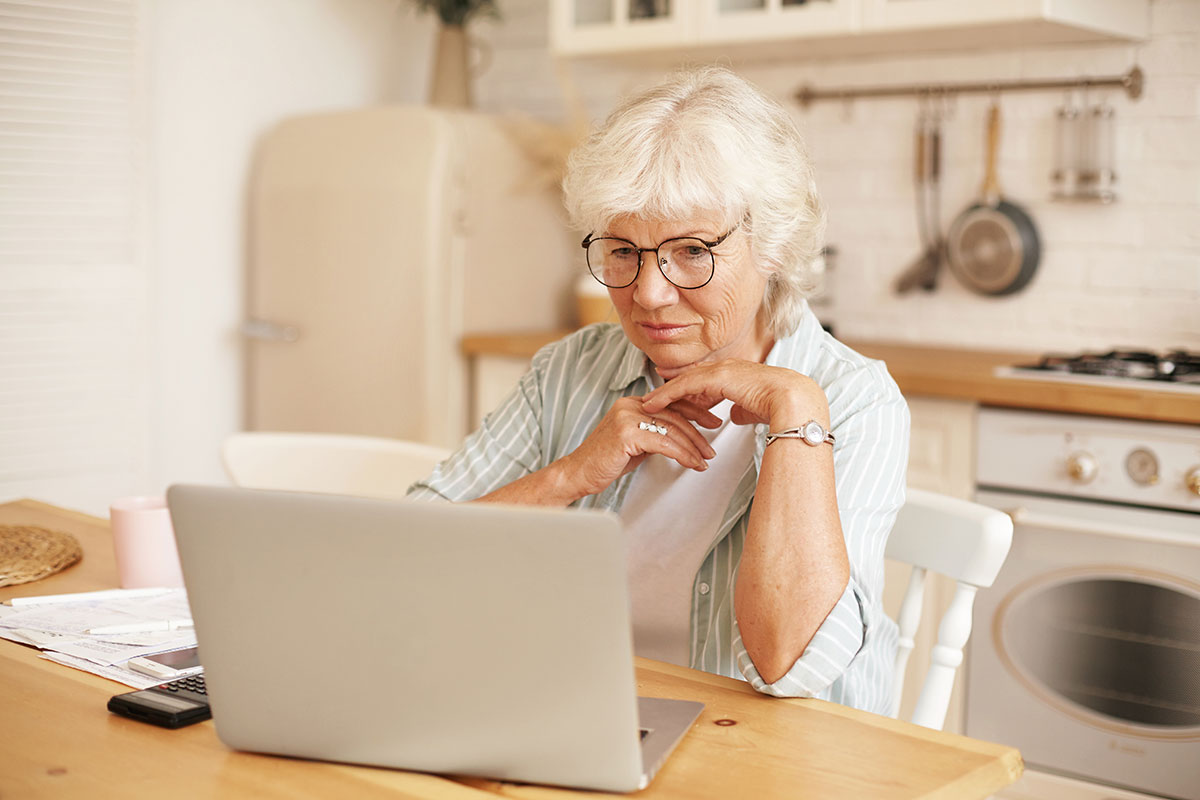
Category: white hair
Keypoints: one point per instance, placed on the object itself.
(706, 140)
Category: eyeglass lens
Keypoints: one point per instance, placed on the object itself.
(687, 263)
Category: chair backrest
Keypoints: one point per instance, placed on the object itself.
(965, 541)
(366, 466)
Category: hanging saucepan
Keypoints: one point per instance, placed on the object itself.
(993, 246)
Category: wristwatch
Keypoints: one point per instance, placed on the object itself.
(811, 433)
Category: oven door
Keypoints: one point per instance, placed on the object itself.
(1086, 652)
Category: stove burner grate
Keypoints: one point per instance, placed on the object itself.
(1177, 366)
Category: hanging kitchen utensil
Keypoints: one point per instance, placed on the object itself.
(937, 241)
(1067, 156)
(922, 273)
(1098, 178)
(993, 246)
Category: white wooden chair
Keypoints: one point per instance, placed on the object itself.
(959, 539)
(366, 466)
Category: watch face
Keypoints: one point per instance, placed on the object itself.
(814, 434)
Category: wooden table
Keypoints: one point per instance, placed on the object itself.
(57, 740)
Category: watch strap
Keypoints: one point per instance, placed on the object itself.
(798, 433)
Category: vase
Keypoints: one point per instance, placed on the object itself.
(450, 83)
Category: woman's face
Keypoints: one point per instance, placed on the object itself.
(678, 327)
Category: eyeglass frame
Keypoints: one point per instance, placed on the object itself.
(659, 261)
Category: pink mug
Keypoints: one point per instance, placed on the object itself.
(144, 543)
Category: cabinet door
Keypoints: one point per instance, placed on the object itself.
(941, 451)
(1052, 20)
(493, 378)
(893, 15)
(740, 28)
(729, 21)
(580, 27)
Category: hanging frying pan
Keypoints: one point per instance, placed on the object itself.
(993, 247)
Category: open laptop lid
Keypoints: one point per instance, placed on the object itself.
(459, 639)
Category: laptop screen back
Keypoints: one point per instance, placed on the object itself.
(468, 639)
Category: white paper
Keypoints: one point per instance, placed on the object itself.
(15, 635)
(78, 617)
(113, 673)
(39, 639)
(80, 597)
(160, 640)
(59, 628)
(109, 653)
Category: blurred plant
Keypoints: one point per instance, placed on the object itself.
(458, 12)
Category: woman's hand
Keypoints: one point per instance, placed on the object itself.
(620, 443)
(779, 397)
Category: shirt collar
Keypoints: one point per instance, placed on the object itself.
(633, 365)
(794, 351)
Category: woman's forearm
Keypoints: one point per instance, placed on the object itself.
(549, 486)
(794, 565)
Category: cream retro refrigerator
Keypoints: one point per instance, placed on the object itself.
(379, 237)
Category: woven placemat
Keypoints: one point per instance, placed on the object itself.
(29, 553)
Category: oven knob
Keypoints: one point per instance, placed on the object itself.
(1193, 480)
(1081, 467)
(1142, 466)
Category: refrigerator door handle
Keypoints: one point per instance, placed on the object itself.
(266, 331)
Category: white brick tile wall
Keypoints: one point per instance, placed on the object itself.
(1175, 16)
(1172, 54)
(1172, 96)
(1125, 274)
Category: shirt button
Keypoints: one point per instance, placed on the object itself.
(704, 588)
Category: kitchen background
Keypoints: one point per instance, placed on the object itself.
(130, 131)
(124, 377)
(1122, 274)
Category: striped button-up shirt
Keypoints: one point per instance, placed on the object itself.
(574, 382)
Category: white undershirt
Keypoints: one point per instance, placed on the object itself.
(672, 514)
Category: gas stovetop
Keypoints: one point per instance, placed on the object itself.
(1178, 370)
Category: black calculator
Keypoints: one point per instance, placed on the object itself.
(171, 705)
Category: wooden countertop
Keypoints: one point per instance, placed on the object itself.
(948, 373)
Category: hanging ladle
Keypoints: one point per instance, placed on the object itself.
(927, 167)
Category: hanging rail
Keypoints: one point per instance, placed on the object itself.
(1132, 82)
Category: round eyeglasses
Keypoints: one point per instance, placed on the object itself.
(687, 262)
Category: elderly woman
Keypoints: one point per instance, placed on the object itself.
(756, 462)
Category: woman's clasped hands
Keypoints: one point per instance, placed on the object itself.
(666, 421)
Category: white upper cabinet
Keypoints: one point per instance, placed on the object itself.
(616, 26)
(723, 21)
(1108, 18)
(798, 28)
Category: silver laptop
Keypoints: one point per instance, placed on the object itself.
(454, 639)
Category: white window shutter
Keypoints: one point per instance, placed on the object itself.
(73, 280)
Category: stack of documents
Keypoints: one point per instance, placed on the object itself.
(100, 631)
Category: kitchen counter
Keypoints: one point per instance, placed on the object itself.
(950, 373)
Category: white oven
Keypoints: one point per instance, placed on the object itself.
(1086, 652)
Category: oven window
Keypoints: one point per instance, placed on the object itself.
(1125, 649)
